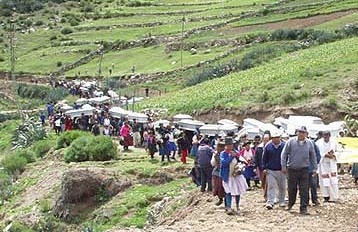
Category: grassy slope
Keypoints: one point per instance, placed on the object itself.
(317, 67)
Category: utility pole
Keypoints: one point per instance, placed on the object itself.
(182, 40)
(100, 65)
(12, 59)
(12, 38)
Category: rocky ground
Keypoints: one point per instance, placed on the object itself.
(201, 214)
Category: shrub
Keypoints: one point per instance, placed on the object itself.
(39, 23)
(79, 150)
(91, 148)
(13, 163)
(27, 154)
(5, 186)
(330, 103)
(42, 147)
(66, 31)
(66, 138)
(102, 148)
(2, 59)
(59, 64)
(212, 73)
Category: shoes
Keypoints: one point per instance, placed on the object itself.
(289, 207)
(219, 202)
(282, 204)
(316, 203)
(229, 211)
(304, 212)
(237, 211)
(269, 206)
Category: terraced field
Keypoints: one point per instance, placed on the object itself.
(167, 43)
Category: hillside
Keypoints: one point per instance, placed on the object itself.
(212, 59)
(159, 44)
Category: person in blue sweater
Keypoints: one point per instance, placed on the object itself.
(276, 180)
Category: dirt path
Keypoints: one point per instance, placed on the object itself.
(295, 23)
(205, 216)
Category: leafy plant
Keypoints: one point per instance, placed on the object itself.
(91, 148)
(27, 133)
(66, 138)
(14, 164)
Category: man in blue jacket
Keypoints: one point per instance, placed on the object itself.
(203, 159)
(276, 179)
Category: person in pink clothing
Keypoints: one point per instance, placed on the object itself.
(248, 153)
(125, 133)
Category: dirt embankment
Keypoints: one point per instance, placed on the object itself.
(269, 114)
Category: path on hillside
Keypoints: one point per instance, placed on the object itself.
(202, 215)
(298, 23)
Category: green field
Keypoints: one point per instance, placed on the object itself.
(278, 79)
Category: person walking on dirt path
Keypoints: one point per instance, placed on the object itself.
(218, 189)
(328, 167)
(276, 180)
(184, 146)
(296, 156)
(203, 159)
(233, 181)
(259, 163)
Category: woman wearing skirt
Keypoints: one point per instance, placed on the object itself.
(233, 182)
(218, 189)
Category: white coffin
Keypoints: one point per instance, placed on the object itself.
(81, 101)
(190, 125)
(213, 129)
(99, 100)
(228, 122)
(261, 126)
(119, 112)
(179, 117)
(78, 113)
(164, 122)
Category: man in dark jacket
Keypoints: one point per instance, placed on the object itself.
(203, 159)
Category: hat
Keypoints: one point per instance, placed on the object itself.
(229, 140)
(326, 132)
(246, 143)
(302, 129)
(276, 134)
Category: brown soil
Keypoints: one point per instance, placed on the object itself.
(269, 114)
(295, 23)
(201, 214)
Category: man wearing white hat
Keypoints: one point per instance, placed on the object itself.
(276, 180)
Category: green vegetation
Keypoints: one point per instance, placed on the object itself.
(236, 90)
(66, 138)
(91, 148)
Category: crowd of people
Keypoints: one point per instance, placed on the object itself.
(225, 165)
(281, 166)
